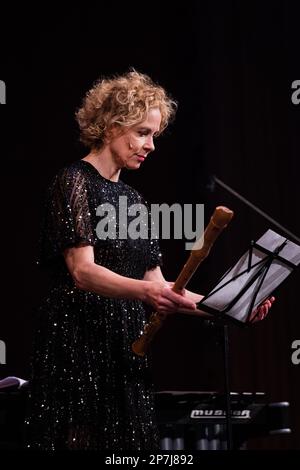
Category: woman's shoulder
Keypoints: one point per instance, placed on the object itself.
(65, 178)
(75, 171)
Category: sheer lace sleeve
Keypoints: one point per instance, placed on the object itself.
(67, 217)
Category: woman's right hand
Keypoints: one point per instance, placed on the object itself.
(164, 300)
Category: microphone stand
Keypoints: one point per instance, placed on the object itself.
(256, 209)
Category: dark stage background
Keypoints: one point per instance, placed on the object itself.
(230, 65)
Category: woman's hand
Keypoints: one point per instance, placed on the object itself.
(261, 311)
(165, 301)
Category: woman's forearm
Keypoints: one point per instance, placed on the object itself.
(94, 278)
(193, 296)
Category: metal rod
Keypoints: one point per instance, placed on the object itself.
(255, 208)
(227, 388)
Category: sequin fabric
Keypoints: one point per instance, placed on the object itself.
(88, 389)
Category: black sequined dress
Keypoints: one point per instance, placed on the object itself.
(88, 389)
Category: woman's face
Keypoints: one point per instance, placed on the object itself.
(130, 149)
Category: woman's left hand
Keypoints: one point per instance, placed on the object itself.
(261, 311)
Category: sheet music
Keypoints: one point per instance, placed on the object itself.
(278, 271)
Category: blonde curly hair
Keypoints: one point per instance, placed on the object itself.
(121, 101)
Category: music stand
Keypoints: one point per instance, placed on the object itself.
(244, 287)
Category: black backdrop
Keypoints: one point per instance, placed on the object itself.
(230, 65)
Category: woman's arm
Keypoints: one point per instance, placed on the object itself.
(92, 277)
(258, 314)
(156, 274)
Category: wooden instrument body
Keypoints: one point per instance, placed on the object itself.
(219, 220)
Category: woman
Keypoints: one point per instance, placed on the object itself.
(89, 390)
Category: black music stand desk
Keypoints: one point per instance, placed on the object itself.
(266, 264)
